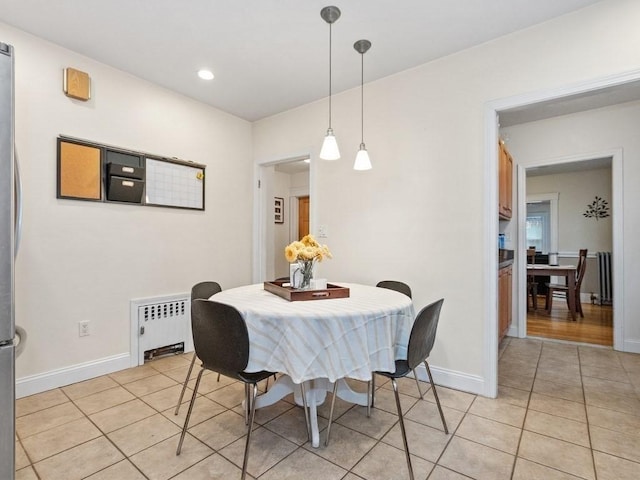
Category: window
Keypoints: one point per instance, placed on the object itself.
(539, 225)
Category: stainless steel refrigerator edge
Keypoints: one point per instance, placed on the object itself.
(7, 324)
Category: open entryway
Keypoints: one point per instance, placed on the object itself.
(568, 209)
(283, 211)
(559, 126)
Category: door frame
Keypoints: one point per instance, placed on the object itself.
(491, 113)
(617, 214)
(262, 204)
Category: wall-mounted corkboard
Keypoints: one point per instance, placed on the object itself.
(79, 171)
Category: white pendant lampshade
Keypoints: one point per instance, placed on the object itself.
(330, 149)
(362, 159)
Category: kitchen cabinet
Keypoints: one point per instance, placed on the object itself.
(505, 182)
(505, 300)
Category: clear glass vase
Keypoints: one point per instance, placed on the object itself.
(304, 274)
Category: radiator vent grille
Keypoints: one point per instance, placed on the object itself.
(163, 326)
(605, 278)
(164, 310)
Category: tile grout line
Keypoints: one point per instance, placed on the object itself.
(526, 413)
(586, 414)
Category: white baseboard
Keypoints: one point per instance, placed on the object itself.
(632, 346)
(41, 382)
(453, 379)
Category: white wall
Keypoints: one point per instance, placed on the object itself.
(598, 130)
(576, 190)
(84, 260)
(418, 216)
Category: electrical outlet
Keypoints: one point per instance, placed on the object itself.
(83, 329)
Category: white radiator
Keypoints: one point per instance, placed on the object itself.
(605, 278)
(162, 325)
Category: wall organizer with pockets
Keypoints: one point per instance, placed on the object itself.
(97, 172)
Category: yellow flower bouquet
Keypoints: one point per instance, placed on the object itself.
(306, 252)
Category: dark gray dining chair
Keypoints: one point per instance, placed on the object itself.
(395, 285)
(221, 340)
(406, 290)
(200, 291)
(421, 340)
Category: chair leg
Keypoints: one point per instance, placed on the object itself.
(266, 388)
(333, 404)
(184, 385)
(186, 420)
(306, 409)
(549, 301)
(435, 394)
(415, 375)
(251, 417)
(247, 403)
(402, 429)
(579, 304)
(371, 385)
(534, 297)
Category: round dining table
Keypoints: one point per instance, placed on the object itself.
(323, 341)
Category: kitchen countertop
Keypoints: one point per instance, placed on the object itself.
(505, 257)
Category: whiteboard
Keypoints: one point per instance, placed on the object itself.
(172, 184)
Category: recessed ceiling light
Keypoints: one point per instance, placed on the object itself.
(205, 74)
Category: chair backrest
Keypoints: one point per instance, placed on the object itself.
(423, 334)
(581, 268)
(531, 255)
(204, 290)
(395, 285)
(220, 337)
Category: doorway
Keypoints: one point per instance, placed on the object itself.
(557, 226)
(280, 186)
(544, 105)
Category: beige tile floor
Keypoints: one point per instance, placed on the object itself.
(563, 412)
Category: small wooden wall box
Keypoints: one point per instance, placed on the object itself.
(76, 84)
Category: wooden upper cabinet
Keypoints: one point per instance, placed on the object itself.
(505, 182)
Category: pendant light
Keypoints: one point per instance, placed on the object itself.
(362, 158)
(330, 149)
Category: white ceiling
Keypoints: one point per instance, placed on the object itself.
(270, 55)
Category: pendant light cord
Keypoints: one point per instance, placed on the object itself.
(330, 75)
(362, 98)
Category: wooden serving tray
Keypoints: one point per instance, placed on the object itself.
(293, 295)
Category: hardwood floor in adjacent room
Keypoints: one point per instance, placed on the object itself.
(596, 327)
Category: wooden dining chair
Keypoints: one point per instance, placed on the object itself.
(221, 340)
(421, 340)
(200, 291)
(552, 288)
(532, 285)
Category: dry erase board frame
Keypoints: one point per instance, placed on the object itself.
(174, 183)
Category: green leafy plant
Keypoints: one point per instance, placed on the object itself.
(599, 208)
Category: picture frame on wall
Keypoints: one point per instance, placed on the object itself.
(278, 210)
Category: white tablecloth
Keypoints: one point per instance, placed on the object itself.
(336, 338)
